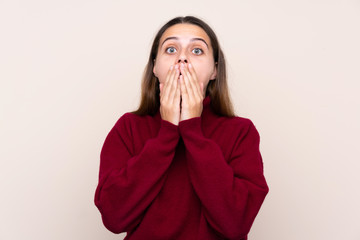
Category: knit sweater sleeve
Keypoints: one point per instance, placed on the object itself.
(129, 182)
(231, 191)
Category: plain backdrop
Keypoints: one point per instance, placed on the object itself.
(69, 69)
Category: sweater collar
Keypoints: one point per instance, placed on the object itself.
(206, 101)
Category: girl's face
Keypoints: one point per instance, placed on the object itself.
(185, 42)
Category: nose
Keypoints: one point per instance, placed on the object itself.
(182, 56)
(182, 60)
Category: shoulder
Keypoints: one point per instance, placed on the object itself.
(240, 127)
(241, 122)
(129, 118)
(125, 122)
(236, 123)
(123, 127)
(230, 127)
(247, 132)
(132, 123)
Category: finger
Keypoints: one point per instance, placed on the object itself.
(193, 80)
(166, 84)
(202, 89)
(189, 89)
(160, 88)
(171, 86)
(184, 93)
(192, 88)
(177, 95)
(194, 76)
(169, 73)
(166, 80)
(174, 84)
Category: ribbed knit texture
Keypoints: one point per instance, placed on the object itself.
(201, 180)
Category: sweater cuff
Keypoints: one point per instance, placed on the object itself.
(168, 131)
(191, 126)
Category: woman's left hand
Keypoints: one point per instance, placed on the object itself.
(191, 93)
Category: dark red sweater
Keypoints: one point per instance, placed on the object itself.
(200, 180)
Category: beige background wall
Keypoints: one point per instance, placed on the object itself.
(69, 69)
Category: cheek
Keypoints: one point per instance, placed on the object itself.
(162, 70)
(162, 66)
(203, 71)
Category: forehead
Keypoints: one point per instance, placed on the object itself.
(185, 31)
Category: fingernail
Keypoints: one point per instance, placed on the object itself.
(176, 66)
(182, 65)
(171, 67)
(190, 65)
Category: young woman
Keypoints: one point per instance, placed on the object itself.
(182, 166)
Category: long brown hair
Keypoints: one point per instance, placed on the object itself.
(217, 89)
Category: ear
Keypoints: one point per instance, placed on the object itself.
(154, 71)
(213, 75)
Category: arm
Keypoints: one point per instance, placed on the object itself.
(231, 193)
(128, 183)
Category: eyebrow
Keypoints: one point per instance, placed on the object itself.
(191, 40)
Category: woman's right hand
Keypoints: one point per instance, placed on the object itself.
(170, 96)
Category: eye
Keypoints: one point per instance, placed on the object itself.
(170, 50)
(197, 51)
